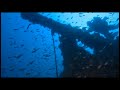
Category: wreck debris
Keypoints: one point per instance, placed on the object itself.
(99, 66)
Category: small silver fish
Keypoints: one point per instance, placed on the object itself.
(106, 63)
(87, 67)
(75, 58)
(80, 53)
(99, 66)
(110, 44)
(79, 76)
(35, 49)
(18, 56)
(31, 62)
(83, 68)
(91, 65)
(84, 57)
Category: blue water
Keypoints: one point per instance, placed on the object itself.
(28, 50)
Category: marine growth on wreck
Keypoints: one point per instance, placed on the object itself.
(60, 44)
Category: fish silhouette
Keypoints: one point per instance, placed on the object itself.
(28, 26)
(35, 49)
(18, 56)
